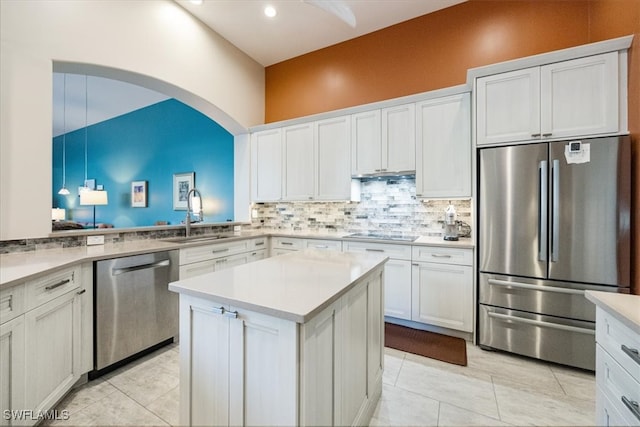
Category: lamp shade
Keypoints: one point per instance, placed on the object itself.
(58, 214)
(93, 198)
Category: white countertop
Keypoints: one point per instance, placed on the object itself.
(294, 286)
(624, 307)
(18, 266)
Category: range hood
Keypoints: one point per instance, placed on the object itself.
(386, 173)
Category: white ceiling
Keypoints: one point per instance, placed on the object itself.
(298, 28)
(105, 99)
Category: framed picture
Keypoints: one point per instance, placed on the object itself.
(138, 194)
(182, 183)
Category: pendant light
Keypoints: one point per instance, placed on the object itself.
(63, 191)
(86, 124)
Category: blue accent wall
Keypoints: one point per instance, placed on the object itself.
(150, 144)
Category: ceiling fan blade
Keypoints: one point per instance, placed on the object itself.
(337, 8)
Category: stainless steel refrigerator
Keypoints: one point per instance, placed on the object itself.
(554, 221)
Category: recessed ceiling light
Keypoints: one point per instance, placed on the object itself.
(198, 2)
(270, 11)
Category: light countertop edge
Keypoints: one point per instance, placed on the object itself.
(16, 267)
(205, 286)
(624, 307)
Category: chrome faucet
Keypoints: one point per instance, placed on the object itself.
(187, 220)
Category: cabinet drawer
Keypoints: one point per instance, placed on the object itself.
(41, 291)
(332, 245)
(290, 243)
(619, 341)
(390, 250)
(617, 385)
(218, 250)
(442, 255)
(11, 303)
(259, 243)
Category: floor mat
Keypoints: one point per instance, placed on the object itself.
(428, 344)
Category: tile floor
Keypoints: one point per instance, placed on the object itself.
(495, 389)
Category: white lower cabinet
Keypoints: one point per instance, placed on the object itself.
(617, 372)
(52, 335)
(239, 367)
(442, 289)
(12, 369)
(198, 260)
(47, 345)
(397, 275)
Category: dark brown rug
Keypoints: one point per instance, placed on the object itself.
(427, 344)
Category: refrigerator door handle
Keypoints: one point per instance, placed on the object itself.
(542, 210)
(555, 209)
(528, 286)
(541, 323)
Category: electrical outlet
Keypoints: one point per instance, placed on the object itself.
(95, 240)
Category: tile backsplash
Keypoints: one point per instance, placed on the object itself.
(387, 204)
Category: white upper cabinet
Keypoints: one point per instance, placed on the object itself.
(333, 158)
(443, 148)
(399, 139)
(266, 165)
(572, 98)
(366, 143)
(383, 141)
(580, 97)
(299, 162)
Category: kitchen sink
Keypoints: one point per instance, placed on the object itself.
(194, 239)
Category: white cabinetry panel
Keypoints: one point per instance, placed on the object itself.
(12, 368)
(52, 335)
(266, 165)
(398, 139)
(567, 99)
(299, 162)
(443, 148)
(333, 153)
(366, 143)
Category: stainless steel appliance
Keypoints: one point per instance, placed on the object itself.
(134, 310)
(554, 221)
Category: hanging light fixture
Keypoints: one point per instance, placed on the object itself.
(86, 124)
(63, 191)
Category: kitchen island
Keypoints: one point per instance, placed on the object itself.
(290, 340)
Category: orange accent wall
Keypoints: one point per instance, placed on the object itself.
(434, 51)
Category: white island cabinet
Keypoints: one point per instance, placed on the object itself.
(290, 340)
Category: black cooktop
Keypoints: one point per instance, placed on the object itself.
(383, 236)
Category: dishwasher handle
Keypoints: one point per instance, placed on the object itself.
(163, 263)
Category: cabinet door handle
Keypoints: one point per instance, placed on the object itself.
(547, 134)
(440, 256)
(57, 285)
(535, 135)
(415, 264)
(231, 314)
(217, 251)
(287, 243)
(633, 353)
(220, 261)
(259, 243)
(81, 292)
(632, 406)
(321, 246)
(218, 310)
(374, 250)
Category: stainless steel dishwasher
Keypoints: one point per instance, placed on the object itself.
(134, 311)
